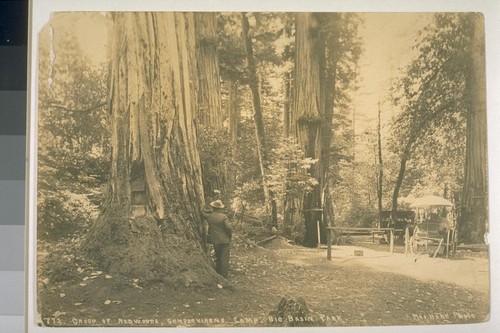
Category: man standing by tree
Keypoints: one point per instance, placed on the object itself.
(219, 234)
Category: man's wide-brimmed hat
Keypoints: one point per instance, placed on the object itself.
(217, 204)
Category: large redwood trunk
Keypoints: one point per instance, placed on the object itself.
(150, 227)
(474, 214)
(313, 112)
(209, 96)
(287, 109)
(308, 114)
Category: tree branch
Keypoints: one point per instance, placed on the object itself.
(426, 83)
(415, 133)
(65, 108)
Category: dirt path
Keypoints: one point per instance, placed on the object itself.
(377, 289)
(347, 291)
(465, 272)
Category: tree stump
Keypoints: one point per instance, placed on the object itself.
(292, 313)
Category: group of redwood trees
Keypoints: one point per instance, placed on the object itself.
(165, 95)
(164, 86)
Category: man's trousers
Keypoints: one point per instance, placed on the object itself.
(221, 259)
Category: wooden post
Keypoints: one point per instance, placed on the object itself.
(407, 239)
(439, 246)
(454, 241)
(391, 246)
(447, 242)
(329, 244)
(319, 234)
(410, 242)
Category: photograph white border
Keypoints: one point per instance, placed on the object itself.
(39, 15)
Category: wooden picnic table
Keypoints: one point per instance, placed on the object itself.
(355, 230)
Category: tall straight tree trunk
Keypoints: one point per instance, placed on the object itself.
(150, 227)
(253, 82)
(474, 215)
(209, 97)
(234, 123)
(309, 58)
(209, 94)
(380, 167)
(287, 109)
(328, 91)
(290, 201)
(313, 112)
(233, 111)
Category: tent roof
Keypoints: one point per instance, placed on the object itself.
(431, 201)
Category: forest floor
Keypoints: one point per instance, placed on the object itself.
(370, 290)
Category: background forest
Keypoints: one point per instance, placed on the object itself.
(278, 124)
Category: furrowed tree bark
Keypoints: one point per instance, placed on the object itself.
(308, 115)
(328, 90)
(289, 202)
(150, 227)
(209, 98)
(209, 94)
(474, 213)
(313, 112)
(287, 106)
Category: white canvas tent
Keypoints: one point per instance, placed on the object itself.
(431, 201)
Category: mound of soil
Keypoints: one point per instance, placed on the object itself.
(276, 243)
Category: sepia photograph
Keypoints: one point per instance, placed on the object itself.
(260, 169)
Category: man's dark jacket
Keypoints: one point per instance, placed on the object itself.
(219, 230)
